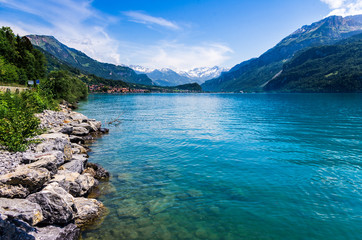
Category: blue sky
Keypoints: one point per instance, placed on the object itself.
(176, 34)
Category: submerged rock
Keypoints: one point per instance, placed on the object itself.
(160, 204)
(104, 130)
(22, 209)
(57, 205)
(130, 209)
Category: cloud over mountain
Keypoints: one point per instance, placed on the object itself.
(344, 7)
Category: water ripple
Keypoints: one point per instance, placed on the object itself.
(230, 166)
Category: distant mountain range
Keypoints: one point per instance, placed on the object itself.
(81, 61)
(255, 74)
(322, 57)
(168, 77)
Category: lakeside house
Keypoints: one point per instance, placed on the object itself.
(109, 89)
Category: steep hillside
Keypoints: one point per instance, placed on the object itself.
(55, 64)
(333, 68)
(81, 61)
(254, 74)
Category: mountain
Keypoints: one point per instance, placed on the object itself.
(81, 61)
(168, 77)
(332, 68)
(55, 64)
(204, 73)
(254, 74)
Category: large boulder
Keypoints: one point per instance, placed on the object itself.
(80, 131)
(50, 161)
(66, 129)
(78, 117)
(57, 205)
(77, 164)
(76, 184)
(95, 125)
(99, 172)
(76, 139)
(85, 125)
(30, 157)
(10, 191)
(88, 210)
(21, 209)
(78, 149)
(69, 232)
(27, 177)
(13, 229)
(52, 141)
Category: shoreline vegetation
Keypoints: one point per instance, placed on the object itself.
(45, 176)
(44, 190)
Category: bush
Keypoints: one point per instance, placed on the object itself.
(62, 85)
(17, 120)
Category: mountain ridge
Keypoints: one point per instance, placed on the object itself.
(328, 68)
(169, 77)
(253, 74)
(83, 62)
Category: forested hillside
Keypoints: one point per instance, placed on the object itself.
(19, 61)
(333, 68)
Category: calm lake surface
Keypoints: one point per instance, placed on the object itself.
(230, 166)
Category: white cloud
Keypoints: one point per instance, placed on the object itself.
(78, 25)
(150, 20)
(344, 7)
(179, 56)
(68, 21)
(334, 3)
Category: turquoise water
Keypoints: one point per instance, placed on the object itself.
(230, 166)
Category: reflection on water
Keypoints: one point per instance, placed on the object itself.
(230, 166)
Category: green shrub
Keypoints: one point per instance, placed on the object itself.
(62, 85)
(17, 120)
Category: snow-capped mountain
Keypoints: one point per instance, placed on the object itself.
(140, 69)
(169, 77)
(204, 73)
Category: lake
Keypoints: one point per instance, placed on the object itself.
(229, 166)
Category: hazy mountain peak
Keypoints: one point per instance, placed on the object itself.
(170, 77)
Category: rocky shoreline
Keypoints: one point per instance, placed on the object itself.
(43, 191)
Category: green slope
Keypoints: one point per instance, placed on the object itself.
(254, 74)
(333, 68)
(81, 61)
